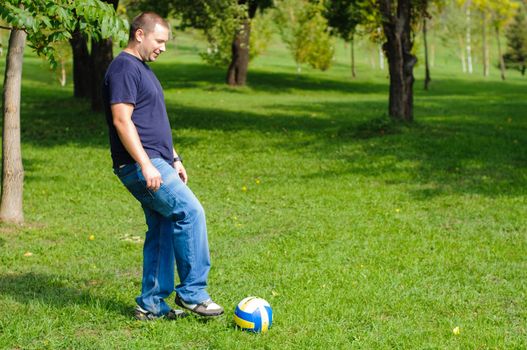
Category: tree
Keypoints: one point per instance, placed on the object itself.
(101, 57)
(226, 24)
(502, 11)
(452, 29)
(41, 23)
(305, 32)
(89, 67)
(397, 19)
(428, 79)
(343, 18)
(62, 51)
(81, 64)
(483, 8)
(468, 34)
(429, 10)
(12, 169)
(516, 56)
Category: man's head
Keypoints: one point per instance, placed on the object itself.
(149, 33)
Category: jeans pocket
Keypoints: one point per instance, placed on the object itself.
(138, 189)
(134, 184)
(125, 170)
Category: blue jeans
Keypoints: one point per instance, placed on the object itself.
(177, 232)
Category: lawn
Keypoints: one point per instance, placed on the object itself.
(361, 234)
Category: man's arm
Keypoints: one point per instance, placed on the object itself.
(122, 120)
(180, 168)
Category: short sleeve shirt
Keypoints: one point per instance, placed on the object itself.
(130, 80)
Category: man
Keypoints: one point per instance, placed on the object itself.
(149, 167)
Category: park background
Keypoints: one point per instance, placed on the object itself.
(361, 232)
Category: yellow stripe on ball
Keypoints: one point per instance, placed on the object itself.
(243, 323)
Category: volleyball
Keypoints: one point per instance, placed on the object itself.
(253, 314)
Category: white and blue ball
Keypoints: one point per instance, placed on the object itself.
(253, 314)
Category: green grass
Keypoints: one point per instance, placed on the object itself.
(361, 234)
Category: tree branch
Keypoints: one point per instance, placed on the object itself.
(8, 28)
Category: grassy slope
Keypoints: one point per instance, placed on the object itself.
(360, 234)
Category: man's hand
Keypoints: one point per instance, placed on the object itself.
(152, 177)
(181, 171)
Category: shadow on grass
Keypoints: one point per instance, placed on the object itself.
(187, 75)
(52, 290)
(469, 137)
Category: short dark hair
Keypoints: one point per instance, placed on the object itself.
(146, 21)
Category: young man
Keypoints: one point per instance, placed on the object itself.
(147, 164)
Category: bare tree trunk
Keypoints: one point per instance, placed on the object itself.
(12, 168)
(432, 55)
(352, 51)
(502, 62)
(82, 77)
(237, 72)
(468, 38)
(427, 66)
(102, 56)
(62, 78)
(486, 62)
(381, 58)
(462, 54)
(401, 61)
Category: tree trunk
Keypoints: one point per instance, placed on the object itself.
(62, 79)
(502, 62)
(486, 62)
(432, 55)
(352, 49)
(102, 56)
(427, 67)
(462, 54)
(237, 72)
(468, 38)
(381, 58)
(82, 77)
(401, 61)
(12, 168)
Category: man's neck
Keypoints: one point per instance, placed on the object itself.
(132, 51)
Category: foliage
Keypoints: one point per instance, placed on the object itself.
(502, 11)
(305, 31)
(516, 56)
(63, 55)
(47, 21)
(343, 16)
(451, 28)
(262, 30)
(220, 24)
(218, 19)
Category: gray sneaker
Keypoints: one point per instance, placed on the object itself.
(205, 308)
(144, 315)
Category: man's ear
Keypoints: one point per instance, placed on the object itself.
(139, 35)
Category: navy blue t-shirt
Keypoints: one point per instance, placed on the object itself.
(130, 80)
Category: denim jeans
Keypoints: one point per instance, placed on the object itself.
(177, 232)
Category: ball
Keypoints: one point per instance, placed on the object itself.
(253, 314)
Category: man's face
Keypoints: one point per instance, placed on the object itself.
(152, 43)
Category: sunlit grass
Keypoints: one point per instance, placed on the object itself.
(359, 232)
